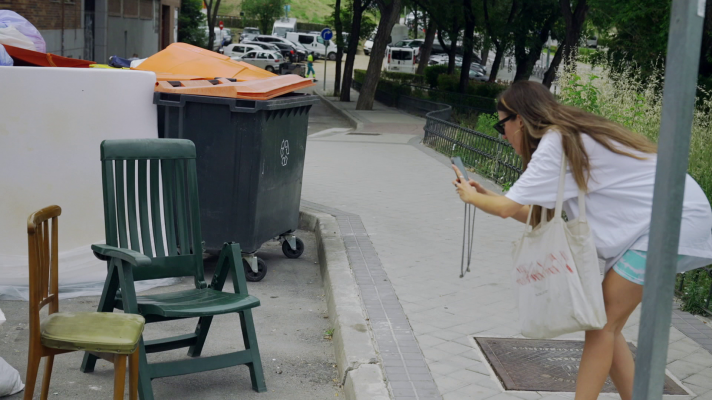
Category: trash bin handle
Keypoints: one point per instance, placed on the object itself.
(250, 110)
(172, 103)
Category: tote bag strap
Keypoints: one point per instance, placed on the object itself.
(560, 194)
(560, 198)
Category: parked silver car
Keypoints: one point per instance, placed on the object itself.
(268, 60)
(249, 34)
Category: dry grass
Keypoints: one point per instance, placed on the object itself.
(313, 11)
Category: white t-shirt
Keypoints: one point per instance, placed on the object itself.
(619, 200)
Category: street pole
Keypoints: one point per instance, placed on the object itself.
(548, 51)
(681, 68)
(326, 57)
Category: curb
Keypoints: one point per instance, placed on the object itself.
(356, 356)
(357, 125)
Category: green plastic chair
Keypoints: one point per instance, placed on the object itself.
(159, 237)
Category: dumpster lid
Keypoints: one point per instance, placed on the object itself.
(31, 58)
(263, 89)
(186, 59)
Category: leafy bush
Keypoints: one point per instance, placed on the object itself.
(403, 78)
(433, 72)
(485, 123)
(359, 75)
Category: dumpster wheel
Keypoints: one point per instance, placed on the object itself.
(293, 253)
(252, 276)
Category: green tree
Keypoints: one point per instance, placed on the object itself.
(532, 27)
(390, 11)
(212, 7)
(344, 19)
(264, 11)
(191, 22)
(358, 7)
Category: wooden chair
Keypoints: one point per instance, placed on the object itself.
(152, 222)
(113, 337)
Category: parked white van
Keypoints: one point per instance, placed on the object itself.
(283, 26)
(313, 43)
(401, 59)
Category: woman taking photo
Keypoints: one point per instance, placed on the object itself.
(616, 169)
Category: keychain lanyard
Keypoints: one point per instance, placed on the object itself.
(467, 237)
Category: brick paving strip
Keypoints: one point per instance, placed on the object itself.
(404, 364)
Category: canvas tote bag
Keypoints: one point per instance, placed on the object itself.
(556, 274)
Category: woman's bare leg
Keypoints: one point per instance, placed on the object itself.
(623, 368)
(621, 297)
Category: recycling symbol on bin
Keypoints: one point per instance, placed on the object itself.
(284, 152)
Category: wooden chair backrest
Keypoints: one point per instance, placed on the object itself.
(42, 241)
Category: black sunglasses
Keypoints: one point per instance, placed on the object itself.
(499, 126)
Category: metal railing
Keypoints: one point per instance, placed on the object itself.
(489, 156)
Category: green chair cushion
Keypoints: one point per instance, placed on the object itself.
(92, 331)
(195, 303)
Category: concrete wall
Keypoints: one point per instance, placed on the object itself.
(73, 42)
(132, 36)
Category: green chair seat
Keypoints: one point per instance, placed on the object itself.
(195, 303)
(92, 331)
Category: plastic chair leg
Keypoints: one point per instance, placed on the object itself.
(249, 336)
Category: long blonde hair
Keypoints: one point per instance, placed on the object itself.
(540, 112)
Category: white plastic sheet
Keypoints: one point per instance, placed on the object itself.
(50, 132)
(5, 59)
(10, 382)
(12, 19)
(12, 37)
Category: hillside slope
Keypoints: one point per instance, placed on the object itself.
(314, 11)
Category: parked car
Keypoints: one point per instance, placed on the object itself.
(265, 46)
(368, 45)
(592, 42)
(239, 49)
(249, 34)
(269, 60)
(299, 52)
(401, 59)
(314, 43)
(227, 36)
(291, 52)
(414, 44)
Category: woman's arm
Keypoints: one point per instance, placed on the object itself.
(489, 201)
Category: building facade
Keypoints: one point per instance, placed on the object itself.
(97, 29)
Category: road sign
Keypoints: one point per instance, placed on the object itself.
(327, 34)
(221, 25)
(288, 8)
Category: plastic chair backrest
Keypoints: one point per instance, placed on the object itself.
(43, 265)
(151, 205)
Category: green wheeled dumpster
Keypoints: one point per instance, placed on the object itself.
(250, 162)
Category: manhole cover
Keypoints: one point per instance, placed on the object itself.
(544, 365)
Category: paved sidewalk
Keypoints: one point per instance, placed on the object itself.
(380, 119)
(403, 194)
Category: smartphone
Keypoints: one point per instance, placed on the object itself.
(457, 161)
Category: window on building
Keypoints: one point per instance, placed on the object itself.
(131, 8)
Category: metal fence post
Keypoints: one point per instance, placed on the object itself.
(681, 68)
